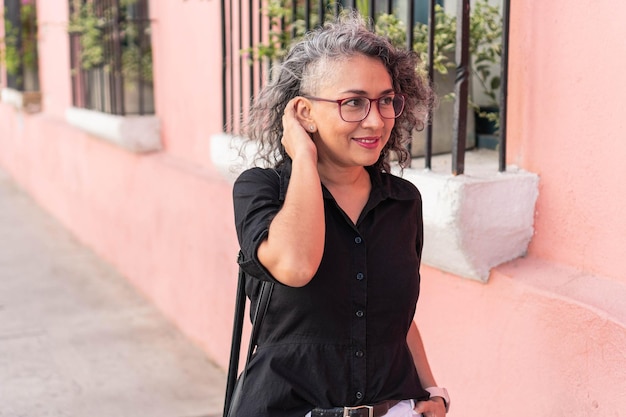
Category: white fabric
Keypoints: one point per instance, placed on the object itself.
(402, 409)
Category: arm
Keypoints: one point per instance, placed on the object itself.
(414, 340)
(293, 249)
(435, 406)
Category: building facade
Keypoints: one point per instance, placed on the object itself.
(543, 334)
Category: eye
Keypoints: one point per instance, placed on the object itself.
(355, 102)
(386, 100)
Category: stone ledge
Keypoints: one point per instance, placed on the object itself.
(28, 101)
(135, 133)
(472, 222)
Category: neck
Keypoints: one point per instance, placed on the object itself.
(342, 177)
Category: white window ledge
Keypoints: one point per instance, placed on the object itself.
(476, 221)
(28, 101)
(135, 133)
(472, 222)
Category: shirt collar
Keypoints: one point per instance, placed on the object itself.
(382, 185)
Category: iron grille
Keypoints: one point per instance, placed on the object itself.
(20, 38)
(245, 24)
(111, 56)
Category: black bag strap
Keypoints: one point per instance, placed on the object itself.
(235, 348)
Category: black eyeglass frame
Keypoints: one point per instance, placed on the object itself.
(367, 113)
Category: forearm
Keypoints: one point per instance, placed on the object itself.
(414, 340)
(293, 249)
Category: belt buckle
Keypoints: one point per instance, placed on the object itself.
(369, 408)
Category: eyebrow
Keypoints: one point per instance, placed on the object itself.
(364, 93)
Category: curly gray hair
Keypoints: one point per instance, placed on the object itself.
(303, 69)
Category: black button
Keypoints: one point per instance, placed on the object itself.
(359, 354)
(360, 313)
(360, 276)
(359, 395)
(358, 240)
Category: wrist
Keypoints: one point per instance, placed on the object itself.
(438, 399)
(438, 392)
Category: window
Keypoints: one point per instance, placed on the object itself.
(19, 51)
(111, 56)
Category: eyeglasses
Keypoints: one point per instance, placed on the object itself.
(356, 109)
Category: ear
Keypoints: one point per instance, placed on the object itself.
(304, 115)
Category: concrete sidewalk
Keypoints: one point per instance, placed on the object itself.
(77, 341)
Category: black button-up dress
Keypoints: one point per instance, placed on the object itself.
(341, 339)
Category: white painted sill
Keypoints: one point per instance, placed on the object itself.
(138, 134)
(26, 101)
(472, 222)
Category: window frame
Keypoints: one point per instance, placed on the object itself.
(20, 46)
(100, 85)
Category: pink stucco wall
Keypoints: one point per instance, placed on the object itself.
(512, 348)
(545, 337)
(163, 220)
(548, 333)
(567, 124)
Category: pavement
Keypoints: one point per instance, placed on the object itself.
(76, 340)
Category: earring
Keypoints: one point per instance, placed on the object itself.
(312, 128)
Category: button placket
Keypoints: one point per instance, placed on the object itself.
(358, 304)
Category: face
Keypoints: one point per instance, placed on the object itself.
(351, 144)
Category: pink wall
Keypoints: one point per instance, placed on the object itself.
(546, 335)
(54, 57)
(511, 348)
(163, 220)
(187, 53)
(567, 124)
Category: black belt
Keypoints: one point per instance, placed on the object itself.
(376, 410)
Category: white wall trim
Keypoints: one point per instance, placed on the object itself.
(135, 133)
(28, 101)
(472, 222)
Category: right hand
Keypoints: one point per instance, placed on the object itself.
(296, 140)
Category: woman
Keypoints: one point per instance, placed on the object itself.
(339, 236)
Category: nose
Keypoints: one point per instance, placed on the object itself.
(373, 119)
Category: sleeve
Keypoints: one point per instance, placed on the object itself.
(256, 199)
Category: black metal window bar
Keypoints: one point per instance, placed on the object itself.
(20, 45)
(111, 56)
(245, 24)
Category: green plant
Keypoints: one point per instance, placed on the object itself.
(94, 28)
(485, 49)
(485, 41)
(137, 64)
(90, 27)
(20, 41)
(485, 46)
(284, 29)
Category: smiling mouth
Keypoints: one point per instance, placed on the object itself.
(367, 141)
